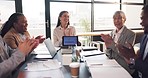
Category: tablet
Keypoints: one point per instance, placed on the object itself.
(69, 40)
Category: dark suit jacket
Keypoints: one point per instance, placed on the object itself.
(112, 51)
(140, 64)
(12, 38)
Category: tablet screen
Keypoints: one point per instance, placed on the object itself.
(69, 40)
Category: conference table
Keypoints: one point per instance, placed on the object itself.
(83, 73)
(64, 70)
(91, 67)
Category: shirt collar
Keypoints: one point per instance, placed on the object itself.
(62, 28)
(120, 31)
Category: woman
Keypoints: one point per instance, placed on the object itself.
(63, 28)
(14, 31)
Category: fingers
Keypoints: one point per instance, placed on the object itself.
(38, 37)
(105, 37)
(128, 45)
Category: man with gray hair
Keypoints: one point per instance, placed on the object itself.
(119, 35)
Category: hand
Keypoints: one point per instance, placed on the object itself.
(28, 45)
(41, 40)
(107, 39)
(127, 52)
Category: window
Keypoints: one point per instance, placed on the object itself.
(85, 15)
(80, 15)
(133, 13)
(7, 7)
(133, 1)
(34, 11)
(103, 16)
(96, 15)
(108, 0)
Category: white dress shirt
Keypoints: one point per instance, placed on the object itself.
(59, 32)
(117, 34)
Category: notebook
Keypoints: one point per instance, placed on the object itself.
(51, 49)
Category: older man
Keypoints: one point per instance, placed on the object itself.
(120, 35)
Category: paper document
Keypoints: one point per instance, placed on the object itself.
(91, 53)
(43, 65)
(109, 72)
(100, 63)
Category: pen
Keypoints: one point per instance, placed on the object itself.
(96, 65)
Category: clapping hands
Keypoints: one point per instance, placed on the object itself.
(41, 40)
(107, 39)
(128, 52)
(28, 45)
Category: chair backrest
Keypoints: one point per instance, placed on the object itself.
(138, 37)
(97, 38)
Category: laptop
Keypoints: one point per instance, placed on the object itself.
(50, 48)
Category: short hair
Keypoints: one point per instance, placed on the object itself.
(120, 13)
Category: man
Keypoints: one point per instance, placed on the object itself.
(120, 35)
(138, 61)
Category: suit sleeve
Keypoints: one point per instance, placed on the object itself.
(112, 50)
(7, 66)
(142, 65)
(11, 41)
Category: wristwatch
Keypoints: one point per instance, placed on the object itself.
(132, 63)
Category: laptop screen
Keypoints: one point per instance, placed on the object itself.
(50, 47)
(69, 40)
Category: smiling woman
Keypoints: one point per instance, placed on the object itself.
(63, 28)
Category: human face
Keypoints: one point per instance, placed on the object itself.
(64, 19)
(119, 21)
(21, 25)
(144, 22)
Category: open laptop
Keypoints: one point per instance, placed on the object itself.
(50, 48)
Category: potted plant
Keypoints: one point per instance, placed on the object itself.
(75, 59)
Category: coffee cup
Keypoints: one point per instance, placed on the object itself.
(74, 69)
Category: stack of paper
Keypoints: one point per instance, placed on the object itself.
(43, 65)
(109, 72)
(101, 67)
